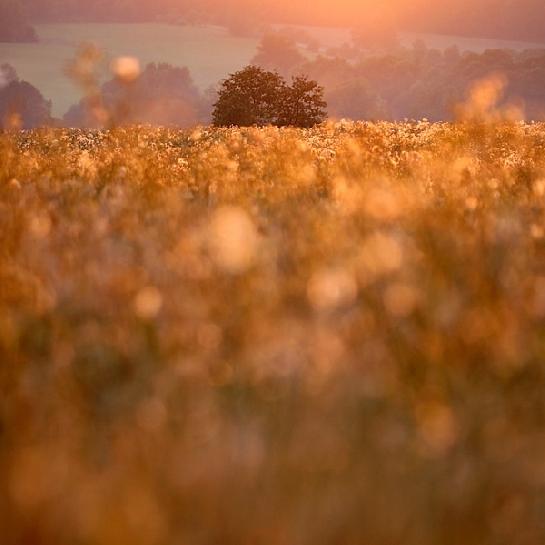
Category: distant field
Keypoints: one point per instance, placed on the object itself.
(209, 52)
(335, 37)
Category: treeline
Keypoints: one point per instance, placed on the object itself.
(522, 20)
(406, 84)
(415, 82)
(420, 82)
(161, 95)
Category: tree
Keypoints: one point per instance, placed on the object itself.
(22, 106)
(278, 52)
(255, 97)
(160, 95)
(303, 104)
(356, 100)
(297, 35)
(249, 97)
(7, 75)
(452, 55)
(13, 24)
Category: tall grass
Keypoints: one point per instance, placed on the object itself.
(266, 336)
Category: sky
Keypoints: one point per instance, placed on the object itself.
(485, 17)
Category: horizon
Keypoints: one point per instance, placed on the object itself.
(213, 39)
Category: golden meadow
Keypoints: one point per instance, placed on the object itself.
(273, 336)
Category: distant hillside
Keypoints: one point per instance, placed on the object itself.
(14, 26)
(520, 20)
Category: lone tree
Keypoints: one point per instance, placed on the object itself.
(249, 97)
(256, 97)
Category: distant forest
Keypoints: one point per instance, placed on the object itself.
(409, 83)
(501, 19)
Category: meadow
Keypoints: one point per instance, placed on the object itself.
(273, 336)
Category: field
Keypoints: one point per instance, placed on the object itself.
(337, 36)
(273, 336)
(210, 52)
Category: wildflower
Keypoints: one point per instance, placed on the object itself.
(148, 302)
(331, 288)
(232, 239)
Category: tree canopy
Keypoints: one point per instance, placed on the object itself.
(303, 103)
(22, 106)
(256, 97)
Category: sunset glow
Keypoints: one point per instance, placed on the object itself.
(272, 272)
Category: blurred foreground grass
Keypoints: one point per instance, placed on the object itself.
(264, 336)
